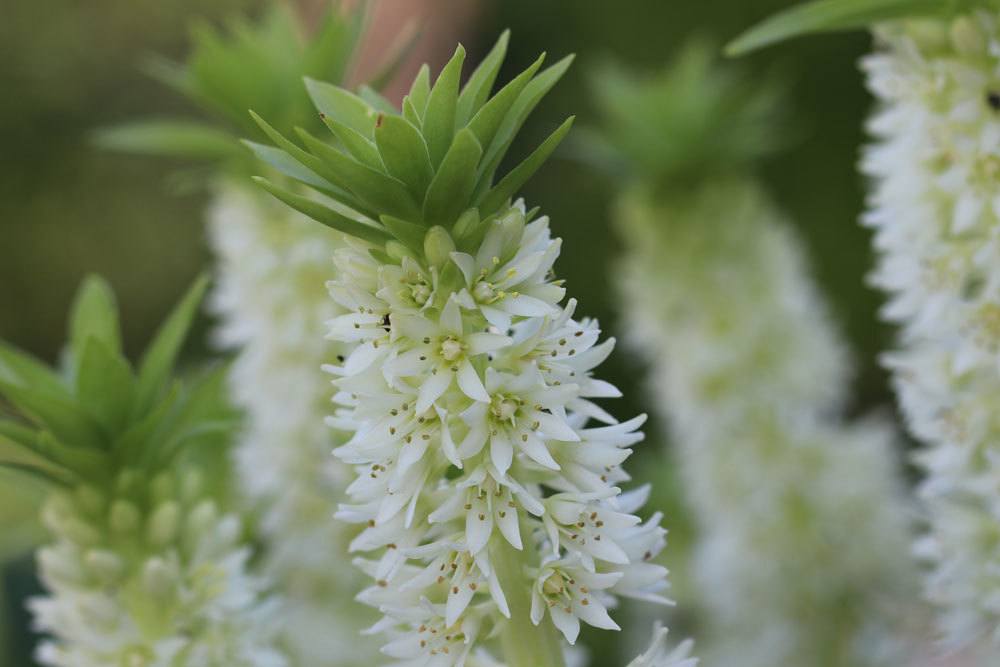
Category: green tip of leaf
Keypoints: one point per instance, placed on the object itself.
(834, 16)
(161, 355)
(94, 315)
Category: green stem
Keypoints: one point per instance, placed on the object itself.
(524, 643)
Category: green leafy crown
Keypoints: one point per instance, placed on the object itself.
(98, 415)
(693, 118)
(839, 15)
(249, 65)
(388, 174)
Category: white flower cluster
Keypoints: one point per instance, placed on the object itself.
(272, 264)
(484, 493)
(802, 556)
(154, 587)
(936, 215)
(659, 655)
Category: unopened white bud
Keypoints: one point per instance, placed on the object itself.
(124, 517)
(164, 524)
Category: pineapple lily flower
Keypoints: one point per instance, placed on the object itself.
(794, 508)
(933, 209)
(491, 516)
(269, 297)
(145, 568)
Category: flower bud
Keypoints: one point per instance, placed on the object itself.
(966, 37)
(164, 523)
(438, 246)
(125, 516)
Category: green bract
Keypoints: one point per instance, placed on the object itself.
(249, 66)
(688, 121)
(98, 414)
(838, 15)
(383, 174)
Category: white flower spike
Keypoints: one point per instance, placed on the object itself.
(936, 215)
(795, 510)
(490, 508)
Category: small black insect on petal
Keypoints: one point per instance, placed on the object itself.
(386, 323)
(993, 99)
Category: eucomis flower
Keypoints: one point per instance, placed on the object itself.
(146, 567)
(271, 265)
(933, 207)
(480, 482)
(794, 509)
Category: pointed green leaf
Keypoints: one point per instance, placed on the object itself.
(363, 150)
(309, 161)
(22, 368)
(409, 234)
(342, 106)
(519, 175)
(170, 138)
(202, 411)
(477, 89)
(375, 190)
(831, 16)
(161, 355)
(65, 419)
(94, 314)
(104, 384)
(489, 118)
(410, 113)
(324, 214)
(439, 119)
(44, 446)
(519, 112)
(18, 433)
(420, 91)
(449, 192)
(41, 473)
(404, 153)
(286, 164)
(144, 433)
(329, 52)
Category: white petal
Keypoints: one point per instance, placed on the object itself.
(496, 592)
(478, 530)
(506, 518)
(567, 623)
(537, 607)
(451, 318)
(466, 264)
(432, 388)
(480, 343)
(594, 614)
(470, 384)
(555, 428)
(501, 451)
(459, 596)
(538, 452)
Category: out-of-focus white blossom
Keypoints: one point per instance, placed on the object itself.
(802, 556)
(272, 265)
(660, 655)
(935, 211)
(153, 575)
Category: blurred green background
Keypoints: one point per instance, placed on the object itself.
(67, 209)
